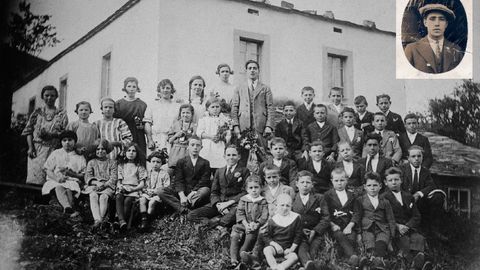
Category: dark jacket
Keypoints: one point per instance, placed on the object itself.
(365, 215)
(328, 134)
(315, 215)
(406, 214)
(225, 188)
(321, 180)
(189, 178)
(294, 140)
(425, 180)
(288, 171)
(340, 215)
(421, 141)
(394, 123)
(304, 115)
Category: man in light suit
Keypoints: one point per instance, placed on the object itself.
(433, 53)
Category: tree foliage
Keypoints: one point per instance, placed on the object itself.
(458, 115)
(29, 32)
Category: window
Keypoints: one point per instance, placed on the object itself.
(250, 46)
(459, 198)
(62, 99)
(338, 72)
(31, 105)
(105, 81)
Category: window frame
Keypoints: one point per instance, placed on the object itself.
(348, 89)
(263, 42)
(63, 92)
(457, 190)
(106, 75)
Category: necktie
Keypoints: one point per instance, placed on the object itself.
(369, 164)
(290, 128)
(438, 51)
(229, 172)
(415, 181)
(252, 87)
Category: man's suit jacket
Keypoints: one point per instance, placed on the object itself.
(365, 215)
(357, 143)
(228, 187)
(382, 166)
(356, 178)
(288, 170)
(294, 142)
(420, 140)
(389, 147)
(321, 180)
(314, 214)
(262, 110)
(394, 123)
(406, 214)
(421, 56)
(367, 118)
(328, 134)
(306, 116)
(272, 198)
(333, 114)
(425, 180)
(189, 178)
(340, 215)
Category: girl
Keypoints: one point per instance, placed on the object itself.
(207, 130)
(114, 130)
(132, 110)
(252, 213)
(223, 89)
(65, 170)
(283, 234)
(159, 115)
(158, 178)
(101, 178)
(131, 179)
(196, 96)
(179, 132)
(87, 133)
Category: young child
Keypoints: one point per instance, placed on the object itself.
(131, 179)
(363, 118)
(349, 133)
(374, 218)
(353, 169)
(283, 234)
(305, 111)
(373, 161)
(207, 130)
(318, 166)
(409, 242)
(290, 129)
(315, 218)
(323, 131)
(223, 89)
(192, 180)
(335, 107)
(227, 189)
(112, 129)
(196, 95)
(180, 131)
(158, 179)
(65, 171)
(394, 121)
(288, 167)
(251, 214)
(159, 115)
(132, 110)
(340, 206)
(101, 178)
(412, 137)
(390, 148)
(87, 133)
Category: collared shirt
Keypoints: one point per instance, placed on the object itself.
(277, 163)
(304, 198)
(374, 162)
(289, 121)
(373, 200)
(433, 44)
(273, 190)
(379, 132)
(342, 196)
(411, 137)
(386, 113)
(308, 106)
(348, 167)
(360, 116)
(339, 108)
(194, 160)
(398, 196)
(350, 132)
(317, 165)
(321, 124)
(231, 168)
(254, 84)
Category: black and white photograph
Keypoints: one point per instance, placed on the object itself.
(240, 134)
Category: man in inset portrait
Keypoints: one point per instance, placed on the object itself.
(433, 53)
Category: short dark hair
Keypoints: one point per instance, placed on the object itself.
(232, 146)
(393, 170)
(68, 134)
(321, 106)
(308, 88)
(359, 100)
(317, 143)
(194, 137)
(383, 96)
(337, 170)
(165, 82)
(83, 103)
(277, 140)
(271, 167)
(130, 79)
(411, 116)
(140, 154)
(373, 136)
(304, 173)
(47, 88)
(250, 62)
(335, 88)
(289, 103)
(349, 110)
(222, 66)
(162, 155)
(415, 147)
(372, 176)
(379, 114)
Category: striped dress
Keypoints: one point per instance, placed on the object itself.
(115, 130)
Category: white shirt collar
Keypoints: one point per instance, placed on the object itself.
(433, 43)
(342, 196)
(259, 198)
(398, 196)
(304, 198)
(194, 160)
(386, 113)
(232, 168)
(317, 165)
(277, 163)
(255, 83)
(373, 200)
(308, 106)
(320, 124)
(411, 136)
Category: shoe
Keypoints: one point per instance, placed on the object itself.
(143, 226)
(68, 210)
(123, 225)
(97, 224)
(246, 258)
(378, 263)
(213, 222)
(75, 214)
(427, 266)
(418, 261)
(353, 261)
(310, 265)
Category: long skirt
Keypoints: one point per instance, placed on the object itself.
(36, 174)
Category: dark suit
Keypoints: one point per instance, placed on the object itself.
(189, 178)
(294, 140)
(356, 178)
(421, 56)
(321, 180)
(420, 140)
(425, 180)
(328, 134)
(356, 143)
(315, 217)
(394, 123)
(367, 118)
(382, 166)
(304, 115)
(288, 171)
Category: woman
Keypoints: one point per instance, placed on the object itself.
(42, 131)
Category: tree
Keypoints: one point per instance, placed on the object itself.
(29, 32)
(458, 116)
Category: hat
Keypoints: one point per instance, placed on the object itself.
(436, 7)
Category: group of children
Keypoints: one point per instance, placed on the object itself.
(328, 165)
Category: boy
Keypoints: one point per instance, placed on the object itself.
(288, 167)
(340, 206)
(315, 219)
(364, 118)
(323, 131)
(374, 218)
(318, 167)
(335, 107)
(394, 121)
(410, 243)
(373, 162)
(411, 137)
(353, 169)
(192, 180)
(227, 189)
(305, 111)
(389, 144)
(349, 133)
(290, 129)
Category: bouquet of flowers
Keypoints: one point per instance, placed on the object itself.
(256, 153)
(224, 132)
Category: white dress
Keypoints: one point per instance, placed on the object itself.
(161, 114)
(212, 151)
